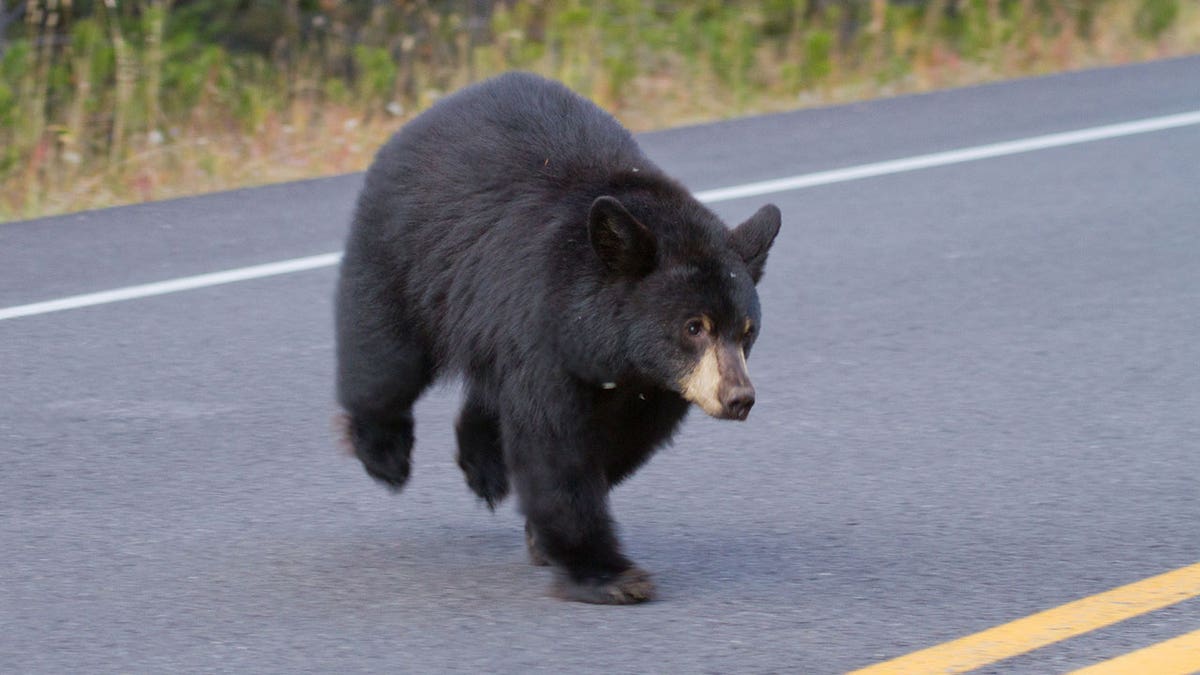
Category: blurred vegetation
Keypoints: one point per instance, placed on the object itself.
(112, 101)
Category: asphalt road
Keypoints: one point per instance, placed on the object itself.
(978, 397)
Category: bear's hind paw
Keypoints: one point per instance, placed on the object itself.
(536, 557)
(627, 588)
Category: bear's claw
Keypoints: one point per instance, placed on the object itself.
(486, 476)
(627, 588)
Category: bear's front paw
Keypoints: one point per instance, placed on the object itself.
(627, 588)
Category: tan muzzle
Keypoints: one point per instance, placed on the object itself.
(719, 383)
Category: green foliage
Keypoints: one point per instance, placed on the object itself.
(15, 65)
(191, 79)
(248, 90)
(818, 48)
(87, 39)
(376, 73)
(336, 91)
(1154, 17)
(1085, 18)
(972, 29)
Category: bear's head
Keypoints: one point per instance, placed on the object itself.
(690, 308)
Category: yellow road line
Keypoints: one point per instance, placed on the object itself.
(1044, 628)
(1177, 656)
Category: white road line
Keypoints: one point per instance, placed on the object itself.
(173, 285)
(952, 157)
(801, 181)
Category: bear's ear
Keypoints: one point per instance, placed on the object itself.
(752, 239)
(625, 245)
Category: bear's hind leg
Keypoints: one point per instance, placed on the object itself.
(480, 455)
(384, 446)
(382, 369)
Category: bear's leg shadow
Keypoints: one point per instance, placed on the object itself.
(480, 455)
(382, 369)
(565, 498)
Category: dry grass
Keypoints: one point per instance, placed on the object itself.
(307, 138)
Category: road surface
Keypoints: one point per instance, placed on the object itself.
(978, 399)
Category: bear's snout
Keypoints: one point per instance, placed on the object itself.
(719, 383)
(737, 402)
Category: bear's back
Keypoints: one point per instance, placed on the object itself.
(513, 136)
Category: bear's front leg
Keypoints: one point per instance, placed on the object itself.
(563, 493)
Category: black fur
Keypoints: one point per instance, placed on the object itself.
(515, 235)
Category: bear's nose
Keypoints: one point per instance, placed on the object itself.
(738, 401)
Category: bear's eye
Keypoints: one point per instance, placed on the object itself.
(694, 327)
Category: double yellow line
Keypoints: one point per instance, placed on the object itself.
(1179, 656)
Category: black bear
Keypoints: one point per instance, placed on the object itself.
(515, 234)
